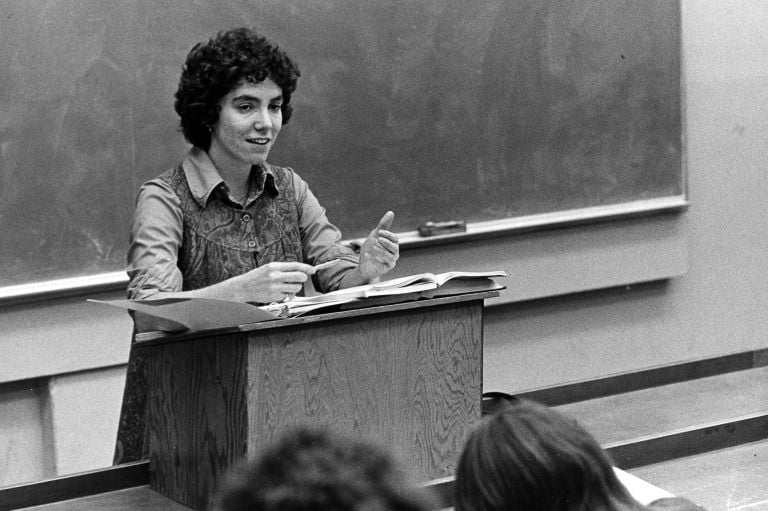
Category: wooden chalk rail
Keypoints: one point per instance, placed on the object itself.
(114, 281)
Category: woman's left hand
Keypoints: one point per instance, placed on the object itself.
(380, 250)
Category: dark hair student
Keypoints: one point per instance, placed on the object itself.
(224, 222)
(315, 470)
(527, 456)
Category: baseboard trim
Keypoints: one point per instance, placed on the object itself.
(118, 477)
(646, 378)
(699, 439)
(122, 477)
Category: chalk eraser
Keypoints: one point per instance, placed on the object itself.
(438, 228)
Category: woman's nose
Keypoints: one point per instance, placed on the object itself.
(262, 119)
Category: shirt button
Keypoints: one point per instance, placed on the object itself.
(246, 217)
(252, 244)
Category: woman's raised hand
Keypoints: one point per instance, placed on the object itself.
(380, 250)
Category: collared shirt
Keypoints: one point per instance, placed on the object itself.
(188, 231)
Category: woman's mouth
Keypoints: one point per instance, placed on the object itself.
(257, 141)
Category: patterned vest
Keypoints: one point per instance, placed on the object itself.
(223, 240)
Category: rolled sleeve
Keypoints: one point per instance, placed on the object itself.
(156, 235)
(321, 240)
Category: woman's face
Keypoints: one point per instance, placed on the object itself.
(250, 118)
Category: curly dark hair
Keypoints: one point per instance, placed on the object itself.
(314, 469)
(215, 68)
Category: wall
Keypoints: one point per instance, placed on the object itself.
(714, 306)
(719, 305)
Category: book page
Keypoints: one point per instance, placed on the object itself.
(404, 281)
(297, 307)
(442, 278)
(416, 287)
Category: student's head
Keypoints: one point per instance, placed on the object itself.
(314, 469)
(216, 68)
(527, 456)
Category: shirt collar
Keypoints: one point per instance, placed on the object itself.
(203, 177)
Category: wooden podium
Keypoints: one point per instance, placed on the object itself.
(407, 374)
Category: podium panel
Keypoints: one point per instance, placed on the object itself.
(407, 375)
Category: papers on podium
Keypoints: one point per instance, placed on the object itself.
(422, 285)
(181, 314)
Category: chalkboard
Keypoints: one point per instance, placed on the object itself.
(437, 109)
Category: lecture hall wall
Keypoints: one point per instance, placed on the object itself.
(61, 372)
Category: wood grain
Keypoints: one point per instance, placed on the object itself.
(197, 416)
(411, 380)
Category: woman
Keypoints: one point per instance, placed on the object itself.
(529, 457)
(224, 223)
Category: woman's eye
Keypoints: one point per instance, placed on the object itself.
(245, 107)
(275, 107)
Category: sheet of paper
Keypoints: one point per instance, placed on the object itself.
(179, 314)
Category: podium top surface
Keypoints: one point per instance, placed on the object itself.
(365, 307)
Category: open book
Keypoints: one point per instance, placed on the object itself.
(427, 281)
(422, 285)
(180, 314)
